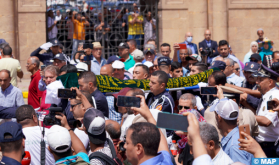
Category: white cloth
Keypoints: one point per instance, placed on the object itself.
(33, 137)
(83, 137)
(53, 33)
(199, 103)
(127, 122)
(85, 7)
(46, 46)
(222, 158)
(203, 159)
(58, 18)
(270, 133)
(248, 55)
(52, 91)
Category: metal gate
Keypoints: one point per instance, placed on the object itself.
(109, 22)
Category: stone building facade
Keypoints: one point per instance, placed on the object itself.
(23, 23)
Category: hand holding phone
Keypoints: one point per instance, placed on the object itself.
(244, 128)
(175, 121)
(182, 46)
(208, 91)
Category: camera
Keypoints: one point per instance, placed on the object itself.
(121, 145)
(207, 52)
(275, 67)
(50, 119)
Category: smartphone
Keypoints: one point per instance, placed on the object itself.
(208, 90)
(172, 121)
(66, 94)
(244, 128)
(127, 101)
(182, 46)
(43, 67)
(270, 105)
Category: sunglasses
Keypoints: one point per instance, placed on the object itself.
(181, 107)
(237, 69)
(72, 106)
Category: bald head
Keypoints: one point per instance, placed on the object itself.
(106, 70)
(188, 34)
(207, 34)
(33, 64)
(113, 128)
(219, 59)
(5, 79)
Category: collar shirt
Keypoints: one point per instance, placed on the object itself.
(129, 63)
(100, 102)
(11, 97)
(34, 94)
(127, 122)
(231, 148)
(163, 158)
(222, 158)
(96, 66)
(235, 80)
(162, 102)
(270, 133)
(113, 115)
(191, 46)
(234, 59)
(9, 161)
(208, 43)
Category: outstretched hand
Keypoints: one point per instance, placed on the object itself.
(143, 110)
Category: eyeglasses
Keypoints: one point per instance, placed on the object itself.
(237, 69)
(72, 106)
(181, 107)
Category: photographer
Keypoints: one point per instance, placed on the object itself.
(208, 46)
(63, 142)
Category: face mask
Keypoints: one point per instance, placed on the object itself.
(189, 39)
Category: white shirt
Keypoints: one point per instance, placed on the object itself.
(270, 133)
(235, 79)
(58, 18)
(126, 124)
(83, 137)
(203, 159)
(199, 103)
(222, 158)
(33, 137)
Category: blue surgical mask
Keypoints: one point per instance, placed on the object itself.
(189, 39)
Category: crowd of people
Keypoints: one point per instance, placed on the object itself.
(114, 26)
(90, 127)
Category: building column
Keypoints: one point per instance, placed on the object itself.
(220, 20)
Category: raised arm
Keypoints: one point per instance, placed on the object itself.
(175, 48)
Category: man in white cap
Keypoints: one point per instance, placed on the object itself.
(98, 61)
(138, 57)
(118, 70)
(226, 113)
(150, 66)
(81, 67)
(61, 140)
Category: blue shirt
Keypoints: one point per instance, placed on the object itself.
(83, 155)
(163, 158)
(100, 102)
(231, 148)
(185, 72)
(113, 115)
(96, 66)
(9, 161)
(235, 79)
(11, 97)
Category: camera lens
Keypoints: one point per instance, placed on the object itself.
(121, 146)
(275, 67)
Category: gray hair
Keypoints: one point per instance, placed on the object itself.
(208, 132)
(189, 51)
(260, 29)
(52, 69)
(149, 46)
(189, 96)
(35, 61)
(230, 60)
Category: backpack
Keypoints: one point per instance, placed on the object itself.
(79, 161)
(105, 159)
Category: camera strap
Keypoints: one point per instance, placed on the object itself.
(43, 147)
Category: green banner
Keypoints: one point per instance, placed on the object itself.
(111, 84)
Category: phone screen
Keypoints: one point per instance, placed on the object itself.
(67, 93)
(208, 90)
(126, 101)
(172, 121)
(244, 128)
(270, 105)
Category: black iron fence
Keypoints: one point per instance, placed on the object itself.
(109, 23)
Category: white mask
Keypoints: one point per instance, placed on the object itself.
(189, 39)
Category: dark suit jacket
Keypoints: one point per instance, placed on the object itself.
(214, 46)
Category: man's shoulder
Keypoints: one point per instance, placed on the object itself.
(202, 42)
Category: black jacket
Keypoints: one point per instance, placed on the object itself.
(214, 46)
